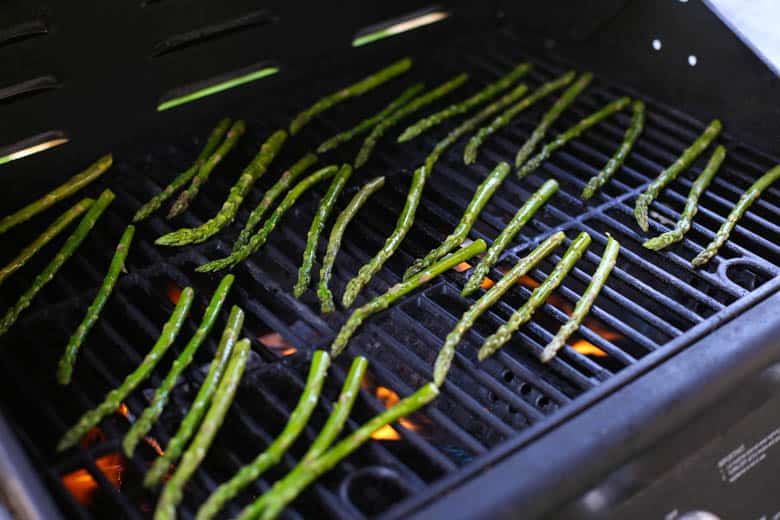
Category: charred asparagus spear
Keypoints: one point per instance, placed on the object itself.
(227, 213)
(668, 175)
(356, 89)
(59, 193)
(523, 215)
(572, 133)
(336, 234)
(68, 360)
(114, 398)
(537, 299)
(742, 206)
(585, 302)
(691, 204)
(66, 251)
(271, 456)
(202, 401)
(617, 160)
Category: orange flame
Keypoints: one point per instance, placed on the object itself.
(388, 398)
(600, 329)
(487, 283)
(82, 484)
(588, 349)
(173, 292)
(275, 342)
(124, 411)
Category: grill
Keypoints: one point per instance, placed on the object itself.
(653, 307)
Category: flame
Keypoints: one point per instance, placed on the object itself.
(389, 398)
(600, 329)
(275, 342)
(94, 436)
(173, 292)
(528, 281)
(82, 484)
(124, 411)
(463, 266)
(588, 349)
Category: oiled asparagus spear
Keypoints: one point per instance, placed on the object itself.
(227, 213)
(617, 160)
(223, 398)
(668, 175)
(59, 193)
(114, 398)
(523, 215)
(334, 242)
(585, 302)
(66, 251)
(537, 298)
(271, 456)
(523, 266)
(317, 225)
(152, 412)
(202, 401)
(742, 206)
(691, 204)
(68, 359)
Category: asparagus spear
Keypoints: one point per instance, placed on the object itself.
(68, 360)
(336, 234)
(317, 225)
(259, 238)
(566, 99)
(44, 238)
(522, 267)
(223, 398)
(152, 412)
(691, 204)
(617, 160)
(585, 302)
(202, 401)
(506, 117)
(271, 456)
(384, 301)
(284, 491)
(114, 398)
(572, 133)
(227, 213)
(183, 178)
(274, 191)
(742, 206)
(356, 89)
(66, 251)
(367, 124)
(487, 93)
(537, 299)
(414, 105)
(186, 197)
(668, 175)
(59, 193)
(523, 215)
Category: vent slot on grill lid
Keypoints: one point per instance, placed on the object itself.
(32, 145)
(407, 22)
(28, 87)
(22, 31)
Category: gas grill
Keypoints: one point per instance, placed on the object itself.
(667, 403)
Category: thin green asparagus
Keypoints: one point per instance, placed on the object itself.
(44, 238)
(174, 489)
(114, 398)
(72, 243)
(523, 215)
(739, 210)
(691, 204)
(506, 117)
(585, 302)
(202, 401)
(572, 133)
(152, 412)
(334, 242)
(68, 359)
(317, 225)
(537, 298)
(227, 213)
(523, 266)
(487, 93)
(186, 197)
(259, 238)
(668, 175)
(59, 193)
(386, 299)
(183, 178)
(356, 89)
(616, 161)
(414, 105)
(271, 456)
